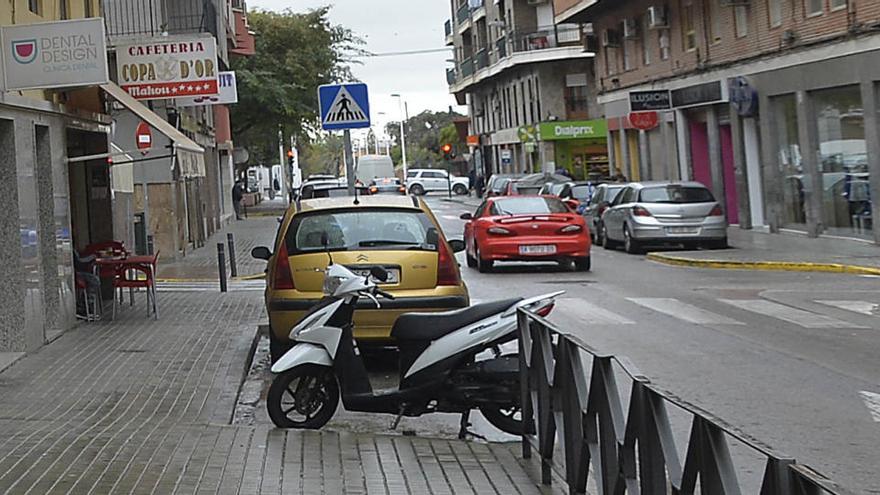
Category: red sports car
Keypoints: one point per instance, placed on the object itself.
(525, 228)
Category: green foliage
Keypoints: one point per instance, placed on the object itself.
(425, 133)
(277, 87)
(323, 155)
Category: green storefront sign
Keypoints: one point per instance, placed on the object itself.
(572, 129)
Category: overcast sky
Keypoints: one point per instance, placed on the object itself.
(392, 26)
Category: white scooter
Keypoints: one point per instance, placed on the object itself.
(440, 370)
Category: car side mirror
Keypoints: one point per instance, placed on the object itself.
(466, 216)
(261, 253)
(457, 245)
(572, 203)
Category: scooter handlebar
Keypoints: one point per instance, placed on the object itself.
(384, 294)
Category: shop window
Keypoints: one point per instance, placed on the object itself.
(688, 28)
(790, 161)
(63, 13)
(741, 16)
(715, 17)
(843, 161)
(774, 12)
(87, 4)
(813, 7)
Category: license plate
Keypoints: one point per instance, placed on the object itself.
(682, 230)
(539, 249)
(393, 274)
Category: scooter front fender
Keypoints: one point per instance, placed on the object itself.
(302, 353)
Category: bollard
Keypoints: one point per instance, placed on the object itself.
(230, 242)
(150, 245)
(221, 264)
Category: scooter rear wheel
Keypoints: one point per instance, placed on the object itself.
(508, 420)
(304, 397)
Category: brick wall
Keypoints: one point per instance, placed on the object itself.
(796, 29)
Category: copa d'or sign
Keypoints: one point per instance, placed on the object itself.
(168, 67)
(49, 55)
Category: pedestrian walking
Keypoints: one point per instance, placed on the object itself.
(237, 196)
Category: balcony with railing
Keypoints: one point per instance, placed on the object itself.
(558, 36)
(501, 47)
(447, 29)
(481, 57)
(450, 76)
(146, 18)
(463, 14)
(478, 9)
(467, 67)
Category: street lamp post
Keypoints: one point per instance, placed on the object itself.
(404, 117)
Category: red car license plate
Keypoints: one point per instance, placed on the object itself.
(538, 249)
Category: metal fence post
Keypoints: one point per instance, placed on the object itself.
(233, 268)
(221, 265)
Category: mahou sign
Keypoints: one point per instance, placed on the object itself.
(168, 68)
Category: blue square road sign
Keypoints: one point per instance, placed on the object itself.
(344, 106)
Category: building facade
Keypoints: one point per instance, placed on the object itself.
(49, 204)
(771, 103)
(524, 78)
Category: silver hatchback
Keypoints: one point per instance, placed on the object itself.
(664, 213)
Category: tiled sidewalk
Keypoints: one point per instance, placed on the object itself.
(143, 406)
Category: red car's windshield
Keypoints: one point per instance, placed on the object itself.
(528, 205)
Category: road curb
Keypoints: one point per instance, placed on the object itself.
(253, 276)
(789, 266)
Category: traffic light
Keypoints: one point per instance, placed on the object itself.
(290, 156)
(447, 151)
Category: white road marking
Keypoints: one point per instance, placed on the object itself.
(800, 317)
(872, 402)
(864, 307)
(232, 286)
(590, 313)
(450, 217)
(683, 311)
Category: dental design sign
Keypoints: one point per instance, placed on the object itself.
(168, 67)
(63, 54)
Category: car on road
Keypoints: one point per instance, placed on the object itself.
(424, 180)
(601, 199)
(647, 213)
(575, 194)
(329, 190)
(387, 185)
(398, 233)
(497, 185)
(525, 228)
(371, 167)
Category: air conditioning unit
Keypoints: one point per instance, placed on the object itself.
(735, 3)
(610, 38)
(657, 18)
(630, 29)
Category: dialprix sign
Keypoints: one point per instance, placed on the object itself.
(574, 129)
(168, 67)
(50, 55)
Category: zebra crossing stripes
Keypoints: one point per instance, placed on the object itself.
(590, 313)
(797, 316)
(863, 307)
(206, 286)
(683, 311)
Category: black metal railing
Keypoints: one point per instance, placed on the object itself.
(563, 35)
(447, 27)
(482, 58)
(632, 449)
(467, 67)
(501, 47)
(463, 13)
(142, 18)
(450, 76)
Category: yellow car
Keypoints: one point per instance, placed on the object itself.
(398, 233)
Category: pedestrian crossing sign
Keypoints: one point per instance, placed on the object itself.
(344, 106)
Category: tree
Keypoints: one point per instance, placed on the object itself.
(277, 87)
(425, 133)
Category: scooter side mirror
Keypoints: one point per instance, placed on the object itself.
(457, 245)
(261, 253)
(379, 273)
(466, 216)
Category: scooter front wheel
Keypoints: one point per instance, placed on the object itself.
(506, 419)
(303, 397)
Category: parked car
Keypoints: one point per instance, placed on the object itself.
(329, 190)
(398, 233)
(664, 213)
(601, 199)
(387, 185)
(497, 185)
(425, 180)
(533, 183)
(525, 228)
(371, 167)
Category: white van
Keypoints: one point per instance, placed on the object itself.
(371, 167)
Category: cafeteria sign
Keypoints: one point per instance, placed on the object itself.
(48, 55)
(168, 67)
(575, 129)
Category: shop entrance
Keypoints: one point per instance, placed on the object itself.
(702, 171)
(90, 203)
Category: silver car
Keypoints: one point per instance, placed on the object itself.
(664, 213)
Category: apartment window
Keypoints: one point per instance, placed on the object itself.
(715, 21)
(62, 10)
(35, 6)
(741, 16)
(663, 43)
(610, 61)
(813, 7)
(774, 12)
(87, 8)
(688, 28)
(627, 55)
(838, 4)
(646, 41)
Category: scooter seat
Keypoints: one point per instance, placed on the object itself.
(432, 326)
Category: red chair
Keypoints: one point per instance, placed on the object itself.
(138, 272)
(106, 249)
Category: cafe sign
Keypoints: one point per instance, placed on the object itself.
(49, 55)
(168, 67)
(228, 94)
(574, 129)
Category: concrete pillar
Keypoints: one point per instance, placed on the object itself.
(809, 143)
(715, 164)
(682, 135)
(872, 141)
(771, 177)
(644, 157)
(667, 121)
(612, 155)
(740, 170)
(624, 151)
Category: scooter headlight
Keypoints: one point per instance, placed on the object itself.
(331, 284)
